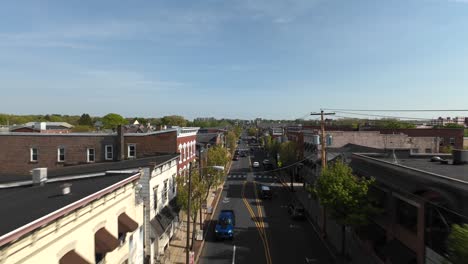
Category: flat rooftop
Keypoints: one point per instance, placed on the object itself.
(459, 172)
(422, 162)
(26, 204)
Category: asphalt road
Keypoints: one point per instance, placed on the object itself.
(264, 231)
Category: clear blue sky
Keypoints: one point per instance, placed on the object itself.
(234, 59)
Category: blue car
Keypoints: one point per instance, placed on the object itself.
(225, 226)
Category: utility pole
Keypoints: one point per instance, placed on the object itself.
(324, 164)
(187, 246)
(201, 177)
(322, 136)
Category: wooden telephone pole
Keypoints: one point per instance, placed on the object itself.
(322, 136)
(324, 164)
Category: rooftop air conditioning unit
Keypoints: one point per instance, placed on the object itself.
(39, 176)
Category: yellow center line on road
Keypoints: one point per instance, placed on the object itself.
(258, 221)
(260, 213)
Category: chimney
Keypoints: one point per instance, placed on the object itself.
(120, 143)
(40, 126)
(65, 188)
(39, 176)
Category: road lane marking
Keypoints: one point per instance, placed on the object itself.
(234, 255)
(259, 209)
(257, 224)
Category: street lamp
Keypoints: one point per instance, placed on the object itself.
(187, 245)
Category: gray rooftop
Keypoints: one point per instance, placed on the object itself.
(458, 172)
(29, 203)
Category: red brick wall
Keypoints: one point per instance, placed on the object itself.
(153, 144)
(25, 129)
(15, 151)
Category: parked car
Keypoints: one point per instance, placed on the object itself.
(225, 226)
(236, 157)
(255, 164)
(296, 210)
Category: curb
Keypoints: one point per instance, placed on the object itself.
(197, 257)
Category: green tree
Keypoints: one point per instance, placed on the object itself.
(394, 124)
(453, 126)
(216, 156)
(197, 191)
(113, 120)
(288, 155)
(252, 132)
(345, 196)
(80, 128)
(288, 152)
(446, 149)
(231, 140)
(174, 120)
(85, 120)
(4, 119)
(457, 244)
(238, 131)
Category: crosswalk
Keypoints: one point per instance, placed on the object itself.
(243, 176)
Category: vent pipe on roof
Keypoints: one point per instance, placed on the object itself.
(39, 176)
(65, 188)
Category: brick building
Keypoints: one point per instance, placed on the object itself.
(186, 146)
(21, 152)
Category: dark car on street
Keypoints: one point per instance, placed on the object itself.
(265, 192)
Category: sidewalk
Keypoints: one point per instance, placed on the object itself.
(176, 252)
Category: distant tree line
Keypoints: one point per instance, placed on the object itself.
(85, 122)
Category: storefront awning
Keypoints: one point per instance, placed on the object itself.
(162, 221)
(72, 257)
(127, 224)
(104, 241)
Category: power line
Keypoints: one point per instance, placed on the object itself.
(384, 116)
(398, 110)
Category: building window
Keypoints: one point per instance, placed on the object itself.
(33, 154)
(109, 152)
(415, 150)
(173, 183)
(452, 141)
(91, 155)
(164, 192)
(61, 154)
(131, 151)
(428, 150)
(155, 196)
